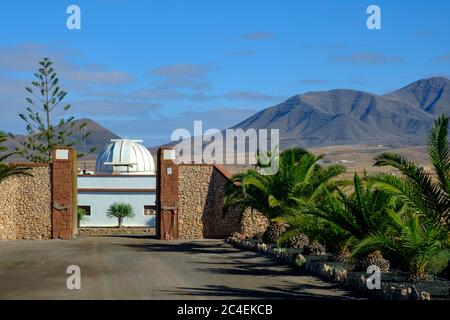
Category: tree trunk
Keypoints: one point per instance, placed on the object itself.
(420, 276)
(120, 222)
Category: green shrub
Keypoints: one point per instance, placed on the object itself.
(120, 211)
(81, 214)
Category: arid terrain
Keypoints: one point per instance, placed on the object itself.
(359, 158)
(356, 158)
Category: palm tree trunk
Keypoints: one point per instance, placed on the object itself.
(120, 222)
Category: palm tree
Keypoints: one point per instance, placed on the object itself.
(5, 169)
(316, 228)
(418, 233)
(429, 197)
(410, 243)
(120, 211)
(362, 212)
(81, 215)
(344, 219)
(299, 185)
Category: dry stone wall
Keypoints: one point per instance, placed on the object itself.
(114, 231)
(201, 195)
(25, 205)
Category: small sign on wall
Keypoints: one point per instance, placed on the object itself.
(62, 154)
(169, 154)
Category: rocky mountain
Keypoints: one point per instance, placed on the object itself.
(336, 117)
(99, 137)
(431, 95)
(342, 117)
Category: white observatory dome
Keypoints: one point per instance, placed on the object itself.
(123, 156)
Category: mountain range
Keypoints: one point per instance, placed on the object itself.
(98, 138)
(345, 117)
(336, 117)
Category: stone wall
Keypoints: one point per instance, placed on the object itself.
(40, 206)
(25, 205)
(114, 231)
(200, 202)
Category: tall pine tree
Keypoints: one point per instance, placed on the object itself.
(44, 133)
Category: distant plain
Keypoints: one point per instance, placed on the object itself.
(356, 158)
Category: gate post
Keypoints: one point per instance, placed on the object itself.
(167, 195)
(64, 193)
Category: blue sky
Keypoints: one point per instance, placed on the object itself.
(144, 68)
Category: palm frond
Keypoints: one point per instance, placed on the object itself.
(438, 149)
(417, 187)
(8, 171)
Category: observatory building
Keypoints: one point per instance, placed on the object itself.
(125, 173)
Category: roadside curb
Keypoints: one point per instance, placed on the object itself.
(320, 265)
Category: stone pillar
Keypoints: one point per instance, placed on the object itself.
(167, 195)
(64, 193)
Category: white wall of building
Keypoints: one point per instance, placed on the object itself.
(99, 192)
(116, 182)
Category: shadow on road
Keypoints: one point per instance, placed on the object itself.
(133, 236)
(184, 247)
(266, 279)
(287, 292)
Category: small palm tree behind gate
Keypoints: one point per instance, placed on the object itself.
(120, 211)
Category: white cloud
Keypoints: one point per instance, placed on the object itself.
(182, 70)
(443, 58)
(370, 58)
(258, 36)
(25, 58)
